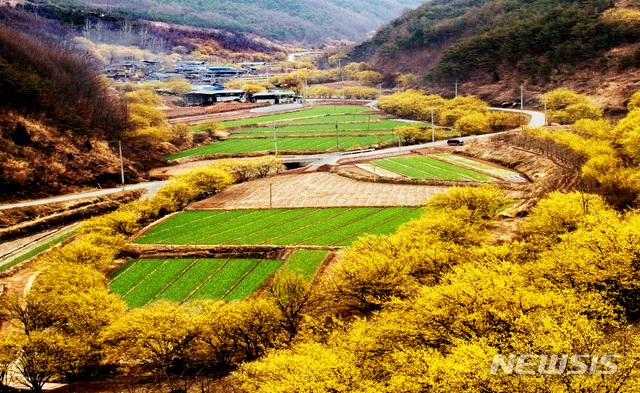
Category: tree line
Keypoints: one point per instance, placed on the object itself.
(426, 307)
(466, 114)
(606, 153)
(70, 327)
(55, 86)
(461, 40)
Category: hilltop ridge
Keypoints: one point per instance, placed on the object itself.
(307, 21)
(491, 47)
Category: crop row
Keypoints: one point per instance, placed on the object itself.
(304, 262)
(268, 134)
(318, 111)
(500, 172)
(142, 281)
(14, 259)
(446, 167)
(331, 119)
(191, 221)
(155, 282)
(219, 284)
(304, 226)
(428, 168)
(377, 125)
(178, 280)
(233, 146)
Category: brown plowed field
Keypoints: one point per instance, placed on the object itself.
(317, 189)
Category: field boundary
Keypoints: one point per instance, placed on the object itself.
(206, 280)
(245, 275)
(171, 282)
(431, 166)
(155, 269)
(215, 251)
(405, 180)
(154, 224)
(480, 170)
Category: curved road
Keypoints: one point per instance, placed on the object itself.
(537, 120)
(151, 187)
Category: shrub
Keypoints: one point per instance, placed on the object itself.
(82, 252)
(124, 222)
(473, 124)
(484, 202)
(206, 181)
(177, 194)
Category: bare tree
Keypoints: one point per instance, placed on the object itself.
(86, 29)
(126, 34)
(144, 36)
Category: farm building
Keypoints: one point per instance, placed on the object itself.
(221, 71)
(274, 97)
(209, 97)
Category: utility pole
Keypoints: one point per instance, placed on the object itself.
(337, 141)
(545, 109)
(121, 163)
(522, 103)
(341, 77)
(306, 88)
(433, 129)
(456, 89)
(275, 138)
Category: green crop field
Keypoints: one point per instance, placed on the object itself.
(232, 146)
(288, 129)
(496, 171)
(15, 258)
(307, 130)
(225, 279)
(303, 226)
(141, 281)
(420, 167)
(333, 118)
(313, 112)
(304, 262)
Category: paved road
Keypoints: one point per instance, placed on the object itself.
(151, 187)
(537, 120)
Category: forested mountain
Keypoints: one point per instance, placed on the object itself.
(307, 21)
(56, 116)
(484, 42)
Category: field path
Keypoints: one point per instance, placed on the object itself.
(317, 189)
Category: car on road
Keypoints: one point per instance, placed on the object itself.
(455, 142)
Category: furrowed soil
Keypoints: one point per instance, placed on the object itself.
(317, 189)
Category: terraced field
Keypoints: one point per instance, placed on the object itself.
(281, 227)
(142, 281)
(307, 130)
(299, 115)
(311, 144)
(420, 167)
(13, 258)
(503, 173)
(304, 262)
